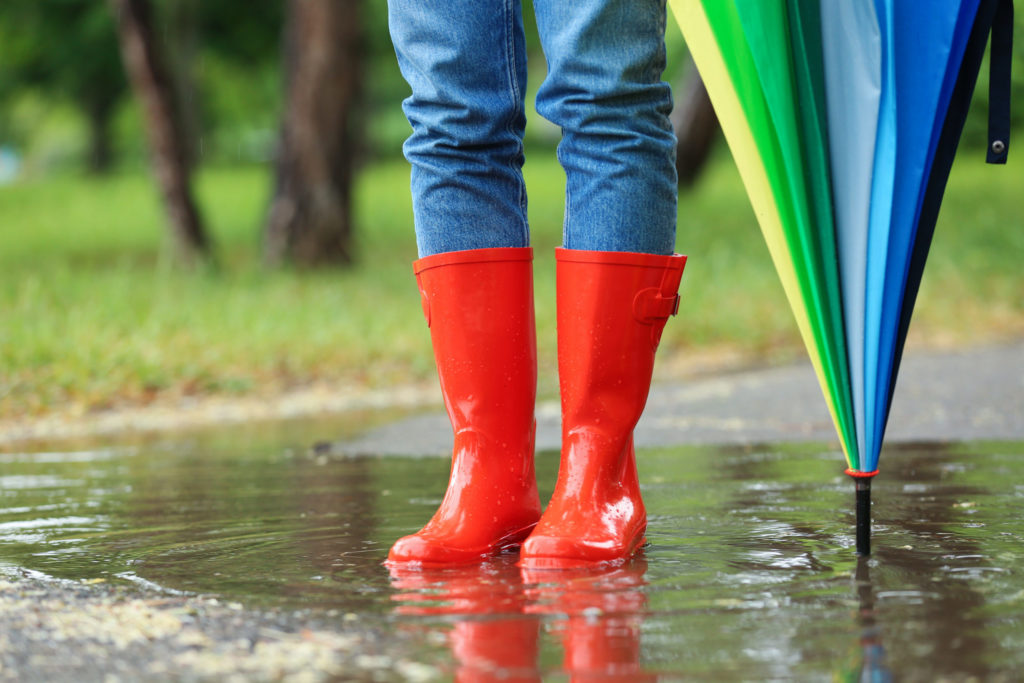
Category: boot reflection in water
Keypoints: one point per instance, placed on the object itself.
(617, 277)
(600, 612)
(492, 641)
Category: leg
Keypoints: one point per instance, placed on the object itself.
(479, 306)
(465, 61)
(605, 60)
(604, 89)
(612, 307)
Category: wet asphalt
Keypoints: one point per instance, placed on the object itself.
(967, 395)
(64, 630)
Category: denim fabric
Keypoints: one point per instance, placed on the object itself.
(465, 61)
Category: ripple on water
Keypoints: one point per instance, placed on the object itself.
(749, 572)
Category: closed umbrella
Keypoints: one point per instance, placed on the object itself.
(849, 216)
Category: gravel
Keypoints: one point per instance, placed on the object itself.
(95, 631)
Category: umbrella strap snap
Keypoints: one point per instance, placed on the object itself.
(999, 83)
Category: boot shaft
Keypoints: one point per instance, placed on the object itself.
(612, 308)
(479, 307)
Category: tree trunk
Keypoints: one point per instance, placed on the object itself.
(309, 221)
(182, 41)
(151, 81)
(696, 127)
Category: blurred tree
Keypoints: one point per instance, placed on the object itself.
(179, 22)
(309, 221)
(695, 125)
(223, 57)
(70, 49)
(148, 72)
(226, 57)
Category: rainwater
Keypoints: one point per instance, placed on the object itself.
(750, 571)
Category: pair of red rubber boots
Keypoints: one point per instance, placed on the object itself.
(612, 307)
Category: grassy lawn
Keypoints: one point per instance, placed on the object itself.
(93, 314)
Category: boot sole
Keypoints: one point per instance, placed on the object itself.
(507, 544)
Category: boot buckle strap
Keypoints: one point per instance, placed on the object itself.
(650, 305)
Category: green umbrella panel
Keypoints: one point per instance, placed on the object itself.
(785, 43)
(752, 39)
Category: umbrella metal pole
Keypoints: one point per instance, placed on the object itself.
(863, 492)
(862, 487)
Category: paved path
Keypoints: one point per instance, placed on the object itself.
(53, 629)
(941, 396)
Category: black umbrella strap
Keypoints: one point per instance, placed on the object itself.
(999, 84)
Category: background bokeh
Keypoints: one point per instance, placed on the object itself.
(99, 310)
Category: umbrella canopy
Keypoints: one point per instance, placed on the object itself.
(848, 217)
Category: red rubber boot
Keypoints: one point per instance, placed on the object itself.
(612, 308)
(479, 306)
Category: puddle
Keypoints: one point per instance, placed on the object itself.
(750, 572)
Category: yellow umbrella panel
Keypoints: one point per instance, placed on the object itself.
(725, 62)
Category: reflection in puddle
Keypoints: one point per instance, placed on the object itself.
(490, 637)
(871, 666)
(498, 610)
(598, 615)
(750, 571)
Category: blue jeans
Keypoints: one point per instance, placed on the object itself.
(465, 61)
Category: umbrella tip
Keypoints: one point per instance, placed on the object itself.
(862, 488)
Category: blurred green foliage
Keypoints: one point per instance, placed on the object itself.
(60, 78)
(59, 55)
(92, 314)
(59, 64)
(63, 49)
(93, 317)
(60, 69)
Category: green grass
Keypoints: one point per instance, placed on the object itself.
(93, 314)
